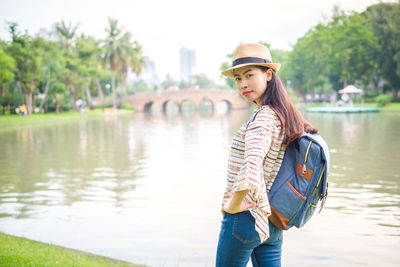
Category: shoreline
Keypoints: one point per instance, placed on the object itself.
(11, 121)
(20, 251)
(392, 107)
(14, 121)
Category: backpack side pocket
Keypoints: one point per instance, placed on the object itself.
(287, 203)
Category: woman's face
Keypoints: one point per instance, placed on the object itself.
(252, 82)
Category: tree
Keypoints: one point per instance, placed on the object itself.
(340, 52)
(352, 42)
(142, 86)
(66, 35)
(125, 60)
(27, 55)
(202, 81)
(385, 18)
(101, 71)
(87, 50)
(281, 56)
(183, 84)
(52, 67)
(7, 67)
(131, 57)
(305, 62)
(139, 61)
(168, 82)
(113, 54)
(230, 82)
(363, 60)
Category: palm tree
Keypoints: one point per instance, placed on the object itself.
(139, 62)
(87, 49)
(100, 71)
(132, 56)
(113, 53)
(66, 35)
(52, 65)
(125, 60)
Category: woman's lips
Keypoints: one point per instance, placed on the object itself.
(245, 93)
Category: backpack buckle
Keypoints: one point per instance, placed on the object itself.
(324, 198)
(304, 169)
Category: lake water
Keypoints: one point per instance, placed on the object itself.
(147, 188)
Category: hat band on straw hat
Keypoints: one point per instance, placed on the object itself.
(244, 60)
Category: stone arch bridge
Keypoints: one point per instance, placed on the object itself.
(143, 101)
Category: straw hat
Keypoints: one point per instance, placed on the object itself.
(251, 54)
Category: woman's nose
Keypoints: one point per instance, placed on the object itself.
(243, 84)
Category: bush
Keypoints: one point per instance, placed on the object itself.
(126, 106)
(370, 100)
(383, 100)
(101, 106)
(12, 98)
(371, 93)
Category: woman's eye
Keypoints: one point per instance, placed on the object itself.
(249, 75)
(237, 79)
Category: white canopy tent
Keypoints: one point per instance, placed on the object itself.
(350, 89)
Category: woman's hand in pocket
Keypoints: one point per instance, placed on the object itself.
(236, 202)
(232, 210)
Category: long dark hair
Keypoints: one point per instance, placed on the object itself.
(278, 100)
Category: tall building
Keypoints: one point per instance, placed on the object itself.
(188, 63)
(149, 74)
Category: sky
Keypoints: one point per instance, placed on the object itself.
(213, 28)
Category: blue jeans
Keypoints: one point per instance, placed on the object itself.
(239, 241)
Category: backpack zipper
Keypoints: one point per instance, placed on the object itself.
(319, 180)
(315, 192)
(305, 158)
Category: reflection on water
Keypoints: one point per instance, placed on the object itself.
(147, 188)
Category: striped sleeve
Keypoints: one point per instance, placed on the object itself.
(257, 144)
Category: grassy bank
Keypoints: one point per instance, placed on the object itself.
(16, 120)
(16, 251)
(389, 107)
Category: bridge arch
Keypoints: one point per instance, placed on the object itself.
(169, 102)
(188, 102)
(223, 106)
(206, 102)
(144, 101)
(147, 106)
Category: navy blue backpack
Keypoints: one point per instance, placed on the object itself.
(302, 181)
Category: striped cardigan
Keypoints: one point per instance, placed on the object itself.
(256, 155)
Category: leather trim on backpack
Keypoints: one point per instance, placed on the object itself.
(295, 191)
(307, 175)
(278, 219)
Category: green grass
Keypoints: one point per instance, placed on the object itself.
(310, 106)
(391, 107)
(17, 120)
(388, 107)
(17, 251)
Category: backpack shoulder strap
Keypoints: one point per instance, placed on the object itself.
(253, 118)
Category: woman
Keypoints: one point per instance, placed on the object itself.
(256, 155)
